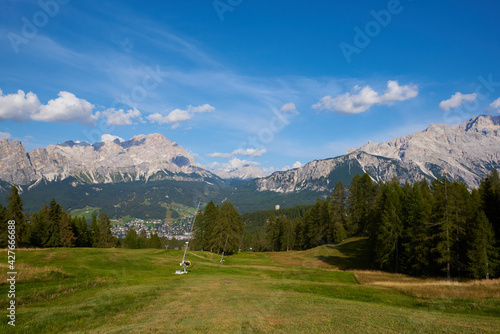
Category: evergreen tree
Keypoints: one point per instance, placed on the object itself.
(130, 240)
(338, 214)
(67, 236)
(312, 221)
(155, 241)
(105, 236)
(445, 226)
(288, 235)
(361, 200)
(390, 228)
(54, 225)
(15, 212)
(416, 221)
(3, 227)
(490, 196)
(204, 222)
(94, 231)
(482, 254)
(81, 231)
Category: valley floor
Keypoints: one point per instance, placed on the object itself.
(321, 290)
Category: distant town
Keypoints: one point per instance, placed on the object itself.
(179, 229)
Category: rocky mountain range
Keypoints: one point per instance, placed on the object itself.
(150, 157)
(464, 152)
(148, 174)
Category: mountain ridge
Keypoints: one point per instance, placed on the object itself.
(141, 158)
(465, 152)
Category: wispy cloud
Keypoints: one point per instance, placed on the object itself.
(457, 100)
(360, 99)
(495, 104)
(177, 116)
(249, 152)
(5, 135)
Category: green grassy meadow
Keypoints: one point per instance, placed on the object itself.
(323, 290)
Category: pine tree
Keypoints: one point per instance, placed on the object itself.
(390, 228)
(361, 200)
(446, 227)
(15, 212)
(416, 221)
(338, 213)
(155, 241)
(54, 225)
(3, 227)
(105, 236)
(482, 254)
(130, 240)
(67, 236)
(94, 231)
(81, 231)
(490, 196)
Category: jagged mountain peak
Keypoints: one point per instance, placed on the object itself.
(466, 152)
(140, 158)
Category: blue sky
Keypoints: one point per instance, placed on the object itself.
(271, 83)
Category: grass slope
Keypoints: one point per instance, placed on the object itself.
(134, 291)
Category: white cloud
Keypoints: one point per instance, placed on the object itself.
(202, 108)
(121, 117)
(232, 164)
(361, 99)
(297, 164)
(495, 104)
(18, 107)
(107, 138)
(249, 152)
(219, 155)
(289, 108)
(457, 100)
(67, 108)
(177, 116)
(4, 135)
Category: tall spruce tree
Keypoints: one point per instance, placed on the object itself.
(94, 231)
(482, 254)
(54, 225)
(3, 227)
(390, 228)
(490, 196)
(416, 222)
(105, 236)
(67, 236)
(338, 213)
(15, 212)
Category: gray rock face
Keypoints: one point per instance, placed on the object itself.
(141, 158)
(466, 152)
(15, 165)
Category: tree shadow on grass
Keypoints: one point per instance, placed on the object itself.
(354, 255)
